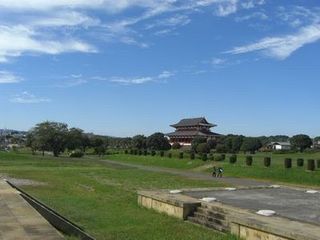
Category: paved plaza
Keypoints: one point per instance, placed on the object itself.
(291, 203)
(19, 221)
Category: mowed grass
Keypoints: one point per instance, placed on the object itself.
(102, 198)
(149, 160)
(276, 172)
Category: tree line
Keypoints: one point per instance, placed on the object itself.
(57, 137)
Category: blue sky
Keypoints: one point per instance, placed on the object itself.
(122, 67)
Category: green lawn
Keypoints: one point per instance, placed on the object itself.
(149, 160)
(276, 172)
(102, 199)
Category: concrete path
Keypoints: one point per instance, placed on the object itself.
(19, 221)
(243, 182)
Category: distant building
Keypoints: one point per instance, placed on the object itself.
(316, 144)
(279, 146)
(189, 128)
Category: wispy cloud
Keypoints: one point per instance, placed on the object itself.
(142, 80)
(17, 40)
(72, 80)
(28, 98)
(8, 77)
(255, 15)
(297, 16)
(283, 46)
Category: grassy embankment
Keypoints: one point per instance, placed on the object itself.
(102, 198)
(276, 172)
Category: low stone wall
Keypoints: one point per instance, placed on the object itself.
(242, 222)
(175, 205)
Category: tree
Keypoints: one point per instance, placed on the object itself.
(251, 144)
(196, 141)
(203, 148)
(99, 145)
(75, 139)
(301, 142)
(49, 136)
(139, 142)
(158, 141)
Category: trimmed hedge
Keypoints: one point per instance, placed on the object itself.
(311, 165)
(233, 159)
(300, 162)
(267, 161)
(288, 163)
(181, 155)
(249, 160)
(204, 157)
(76, 154)
(169, 155)
(318, 163)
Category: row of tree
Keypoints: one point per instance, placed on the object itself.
(236, 143)
(56, 137)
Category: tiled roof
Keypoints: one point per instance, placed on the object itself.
(192, 133)
(192, 122)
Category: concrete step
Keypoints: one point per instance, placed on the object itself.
(208, 224)
(211, 213)
(204, 217)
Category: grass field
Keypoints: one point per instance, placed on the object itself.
(102, 198)
(276, 172)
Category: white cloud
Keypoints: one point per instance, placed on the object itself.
(28, 98)
(142, 80)
(252, 3)
(64, 19)
(132, 81)
(165, 74)
(7, 77)
(255, 15)
(227, 7)
(282, 47)
(174, 21)
(217, 61)
(297, 16)
(16, 40)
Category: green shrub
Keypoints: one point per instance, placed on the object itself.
(218, 158)
(181, 155)
(169, 155)
(145, 152)
(192, 155)
(249, 160)
(140, 152)
(161, 153)
(288, 163)
(211, 157)
(300, 162)
(318, 163)
(267, 161)
(131, 151)
(153, 153)
(176, 146)
(204, 157)
(135, 152)
(223, 156)
(126, 151)
(76, 154)
(233, 159)
(311, 165)
(221, 148)
(203, 148)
